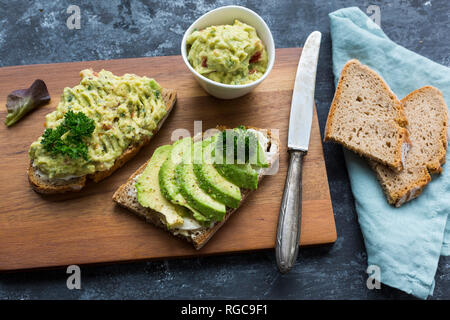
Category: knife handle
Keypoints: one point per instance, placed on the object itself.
(288, 232)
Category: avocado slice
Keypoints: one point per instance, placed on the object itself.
(261, 157)
(245, 144)
(236, 171)
(254, 151)
(169, 187)
(213, 183)
(167, 180)
(149, 193)
(194, 194)
(242, 175)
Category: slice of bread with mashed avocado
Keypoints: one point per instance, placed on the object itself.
(96, 128)
(182, 190)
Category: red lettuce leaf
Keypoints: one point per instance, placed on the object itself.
(20, 102)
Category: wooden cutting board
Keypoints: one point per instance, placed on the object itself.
(88, 227)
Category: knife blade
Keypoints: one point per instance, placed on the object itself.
(303, 95)
(289, 221)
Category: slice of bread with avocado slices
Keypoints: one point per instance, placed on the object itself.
(42, 184)
(427, 116)
(366, 117)
(192, 199)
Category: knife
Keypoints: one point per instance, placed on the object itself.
(288, 231)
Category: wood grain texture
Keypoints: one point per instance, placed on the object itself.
(88, 227)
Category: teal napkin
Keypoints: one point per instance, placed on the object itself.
(405, 243)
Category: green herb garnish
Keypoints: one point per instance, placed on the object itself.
(69, 137)
(243, 145)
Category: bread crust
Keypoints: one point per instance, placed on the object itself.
(407, 193)
(436, 166)
(401, 119)
(415, 188)
(199, 239)
(411, 192)
(52, 187)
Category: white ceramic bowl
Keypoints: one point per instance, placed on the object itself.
(227, 15)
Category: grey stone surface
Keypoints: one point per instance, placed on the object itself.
(36, 32)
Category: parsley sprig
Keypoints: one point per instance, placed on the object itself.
(69, 137)
(244, 142)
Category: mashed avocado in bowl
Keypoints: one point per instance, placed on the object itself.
(229, 54)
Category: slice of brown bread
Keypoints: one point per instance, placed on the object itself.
(366, 117)
(51, 186)
(426, 111)
(126, 197)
